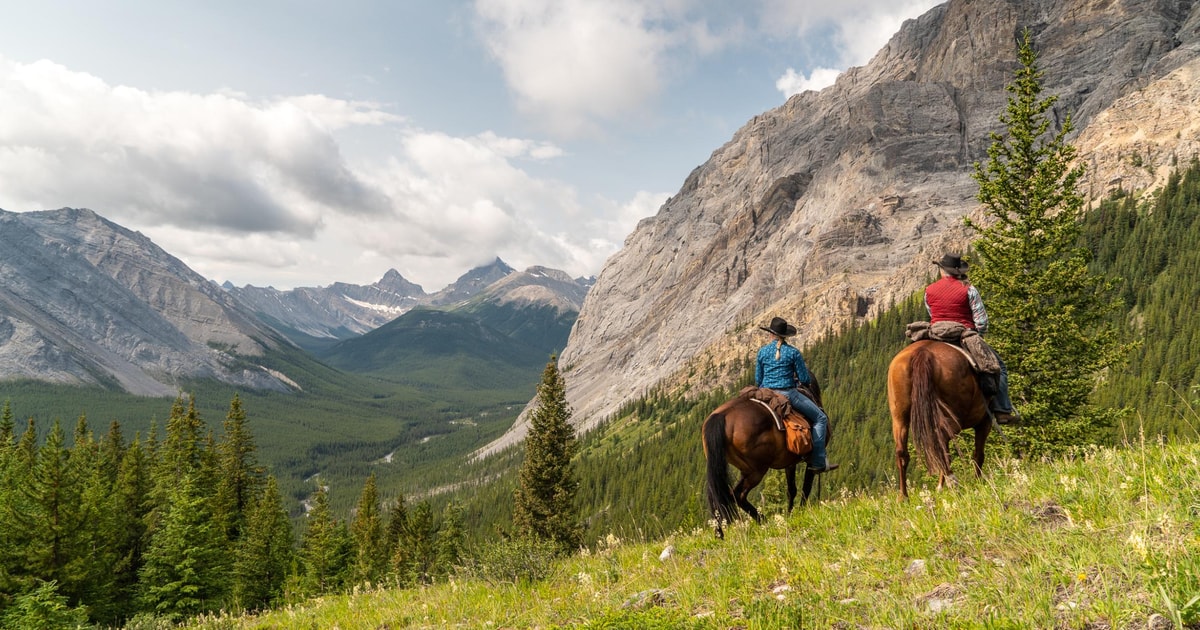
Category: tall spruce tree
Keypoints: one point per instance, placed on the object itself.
(545, 507)
(6, 426)
(8, 488)
(183, 571)
(56, 526)
(1049, 313)
(325, 550)
(131, 498)
(400, 559)
(239, 476)
(264, 552)
(367, 530)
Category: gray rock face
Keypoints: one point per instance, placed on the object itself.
(85, 301)
(833, 205)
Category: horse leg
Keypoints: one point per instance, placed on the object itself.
(947, 480)
(981, 435)
(809, 477)
(900, 434)
(790, 474)
(748, 482)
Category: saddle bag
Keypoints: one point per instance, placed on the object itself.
(799, 434)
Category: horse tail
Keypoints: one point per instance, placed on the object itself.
(721, 503)
(927, 418)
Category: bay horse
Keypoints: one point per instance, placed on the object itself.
(932, 390)
(743, 433)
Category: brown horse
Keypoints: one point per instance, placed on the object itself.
(932, 390)
(743, 433)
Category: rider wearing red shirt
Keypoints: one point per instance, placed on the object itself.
(954, 299)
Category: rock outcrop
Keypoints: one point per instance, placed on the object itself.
(832, 206)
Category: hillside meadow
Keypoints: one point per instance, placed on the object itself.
(1108, 538)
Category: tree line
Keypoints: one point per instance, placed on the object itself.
(107, 529)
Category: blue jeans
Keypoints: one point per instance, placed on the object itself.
(1001, 403)
(815, 417)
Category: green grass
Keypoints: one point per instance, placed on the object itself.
(1103, 540)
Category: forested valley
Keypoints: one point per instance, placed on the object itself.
(109, 528)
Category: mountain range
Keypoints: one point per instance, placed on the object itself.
(85, 301)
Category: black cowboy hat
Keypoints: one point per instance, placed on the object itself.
(779, 326)
(954, 265)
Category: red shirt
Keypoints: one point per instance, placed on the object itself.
(947, 300)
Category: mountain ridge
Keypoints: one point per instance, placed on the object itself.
(86, 301)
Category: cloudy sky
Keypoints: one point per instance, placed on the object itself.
(299, 143)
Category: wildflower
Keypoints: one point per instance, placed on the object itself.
(1082, 577)
(1068, 482)
(1138, 543)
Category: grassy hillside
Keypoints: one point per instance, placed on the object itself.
(543, 328)
(428, 347)
(1110, 539)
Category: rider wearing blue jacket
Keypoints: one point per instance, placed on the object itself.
(780, 367)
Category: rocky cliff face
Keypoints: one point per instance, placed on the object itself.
(833, 205)
(85, 301)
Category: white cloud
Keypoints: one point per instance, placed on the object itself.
(174, 158)
(573, 65)
(465, 199)
(854, 29)
(792, 83)
(260, 192)
(572, 62)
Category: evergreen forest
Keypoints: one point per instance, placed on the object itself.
(183, 519)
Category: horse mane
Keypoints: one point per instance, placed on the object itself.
(933, 425)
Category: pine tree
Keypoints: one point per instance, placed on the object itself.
(1048, 312)
(6, 426)
(396, 538)
(11, 478)
(186, 559)
(450, 539)
(16, 525)
(53, 519)
(239, 475)
(545, 506)
(324, 550)
(420, 544)
(264, 552)
(132, 504)
(98, 516)
(368, 534)
(182, 574)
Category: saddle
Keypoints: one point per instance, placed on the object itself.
(980, 355)
(787, 419)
